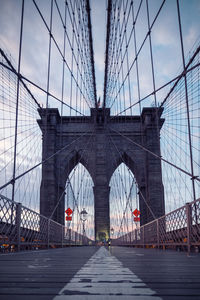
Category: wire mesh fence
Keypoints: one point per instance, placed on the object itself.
(22, 229)
(179, 228)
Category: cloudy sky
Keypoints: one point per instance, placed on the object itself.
(165, 37)
(35, 48)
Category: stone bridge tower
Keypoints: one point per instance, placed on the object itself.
(101, 143)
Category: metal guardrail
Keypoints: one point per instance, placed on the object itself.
(178, 228)
(23, 228)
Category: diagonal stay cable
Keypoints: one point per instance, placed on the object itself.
(158, 89)
(59, 50)
(43, 161)
(19, 75)
(133, 178)
(69, 180)
(91, 50)
(141, 47)
(157, 156)
(40, 88)
(185, 71)
(127, 44)
(128, 197)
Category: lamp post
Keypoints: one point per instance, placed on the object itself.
(111, 236)
(83, 219)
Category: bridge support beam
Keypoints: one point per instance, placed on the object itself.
(153, 206)
(102, 215)
(51, 191)
(113, 140)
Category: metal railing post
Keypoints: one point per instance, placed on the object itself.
(48, 233)
(62, 235)
(189, 225)
(70, 236)
(143, 235)
(18, 225)
(136, 236)
(158, 233)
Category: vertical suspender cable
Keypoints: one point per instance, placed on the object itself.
(187, 101)
(17, 100)
(107, 50)
(91, 51)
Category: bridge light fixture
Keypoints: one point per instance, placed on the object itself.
(84, 215)
(112, 231)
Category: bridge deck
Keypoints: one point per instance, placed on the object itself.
(97, 273)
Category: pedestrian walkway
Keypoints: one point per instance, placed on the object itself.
(99, 273)
(104, 277)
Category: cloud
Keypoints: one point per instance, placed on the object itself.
(166, 53)
(191, 37)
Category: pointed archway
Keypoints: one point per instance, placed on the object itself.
(101, 142)
(124, 198)
(78, 196)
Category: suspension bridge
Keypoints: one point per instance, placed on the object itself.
(99, 149)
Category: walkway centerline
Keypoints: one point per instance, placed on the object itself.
(104, 277)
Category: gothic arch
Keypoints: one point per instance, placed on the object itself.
(102, 159)
(133, 164)
(137, 168)
(68, 161)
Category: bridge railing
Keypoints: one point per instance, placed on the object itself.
(180, 227)
(23, 228)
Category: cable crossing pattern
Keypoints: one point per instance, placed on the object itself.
(51, 118)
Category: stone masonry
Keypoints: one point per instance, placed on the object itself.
(101, 143)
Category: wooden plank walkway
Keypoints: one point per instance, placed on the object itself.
(99, 273)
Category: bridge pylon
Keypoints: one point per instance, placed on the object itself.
(112, 140)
